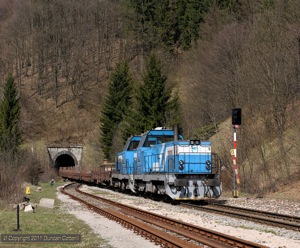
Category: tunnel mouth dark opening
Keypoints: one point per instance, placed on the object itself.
(64, 160)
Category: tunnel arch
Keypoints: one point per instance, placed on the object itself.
(65, 159)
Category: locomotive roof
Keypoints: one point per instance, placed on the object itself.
(159, 132)
(134, 137)
(162, 132)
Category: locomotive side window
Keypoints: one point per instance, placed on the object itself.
(133, 145)
(153, 140)
(150, 141)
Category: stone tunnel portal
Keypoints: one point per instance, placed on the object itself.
(69, 156)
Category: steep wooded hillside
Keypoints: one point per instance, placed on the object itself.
(243, 54)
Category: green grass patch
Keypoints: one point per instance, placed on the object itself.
(47, 221)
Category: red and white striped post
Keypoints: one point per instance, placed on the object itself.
(236, 177)
(236, 121)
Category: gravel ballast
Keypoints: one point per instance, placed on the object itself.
(119, 237)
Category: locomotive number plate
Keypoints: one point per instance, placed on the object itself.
(194, 148)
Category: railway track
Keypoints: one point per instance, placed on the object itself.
(164, 231)
(263, 217)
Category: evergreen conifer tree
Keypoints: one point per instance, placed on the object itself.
(173, 24)
(116, 106)
(155, 104)
(10, 137)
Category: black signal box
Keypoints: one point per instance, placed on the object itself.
(236, 116)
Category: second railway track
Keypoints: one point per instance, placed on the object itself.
(263, 217)
(164, 231)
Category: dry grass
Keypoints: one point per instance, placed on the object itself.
(47, 221)
(254, 179)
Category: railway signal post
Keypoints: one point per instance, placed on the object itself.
(236, 121)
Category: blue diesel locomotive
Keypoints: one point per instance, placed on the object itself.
(160, 162)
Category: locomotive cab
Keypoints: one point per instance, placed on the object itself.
(125, 159)
(125, 164)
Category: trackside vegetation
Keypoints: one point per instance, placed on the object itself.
(10, 111)
(46, 221)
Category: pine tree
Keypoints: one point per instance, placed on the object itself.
(154, 100)
(190, 16)
(10, 137)
(141, 19)
(172, 24)
(116, 106)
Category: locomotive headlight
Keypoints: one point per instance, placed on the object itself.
(181, 164)
(208, 163)
(194, 142)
